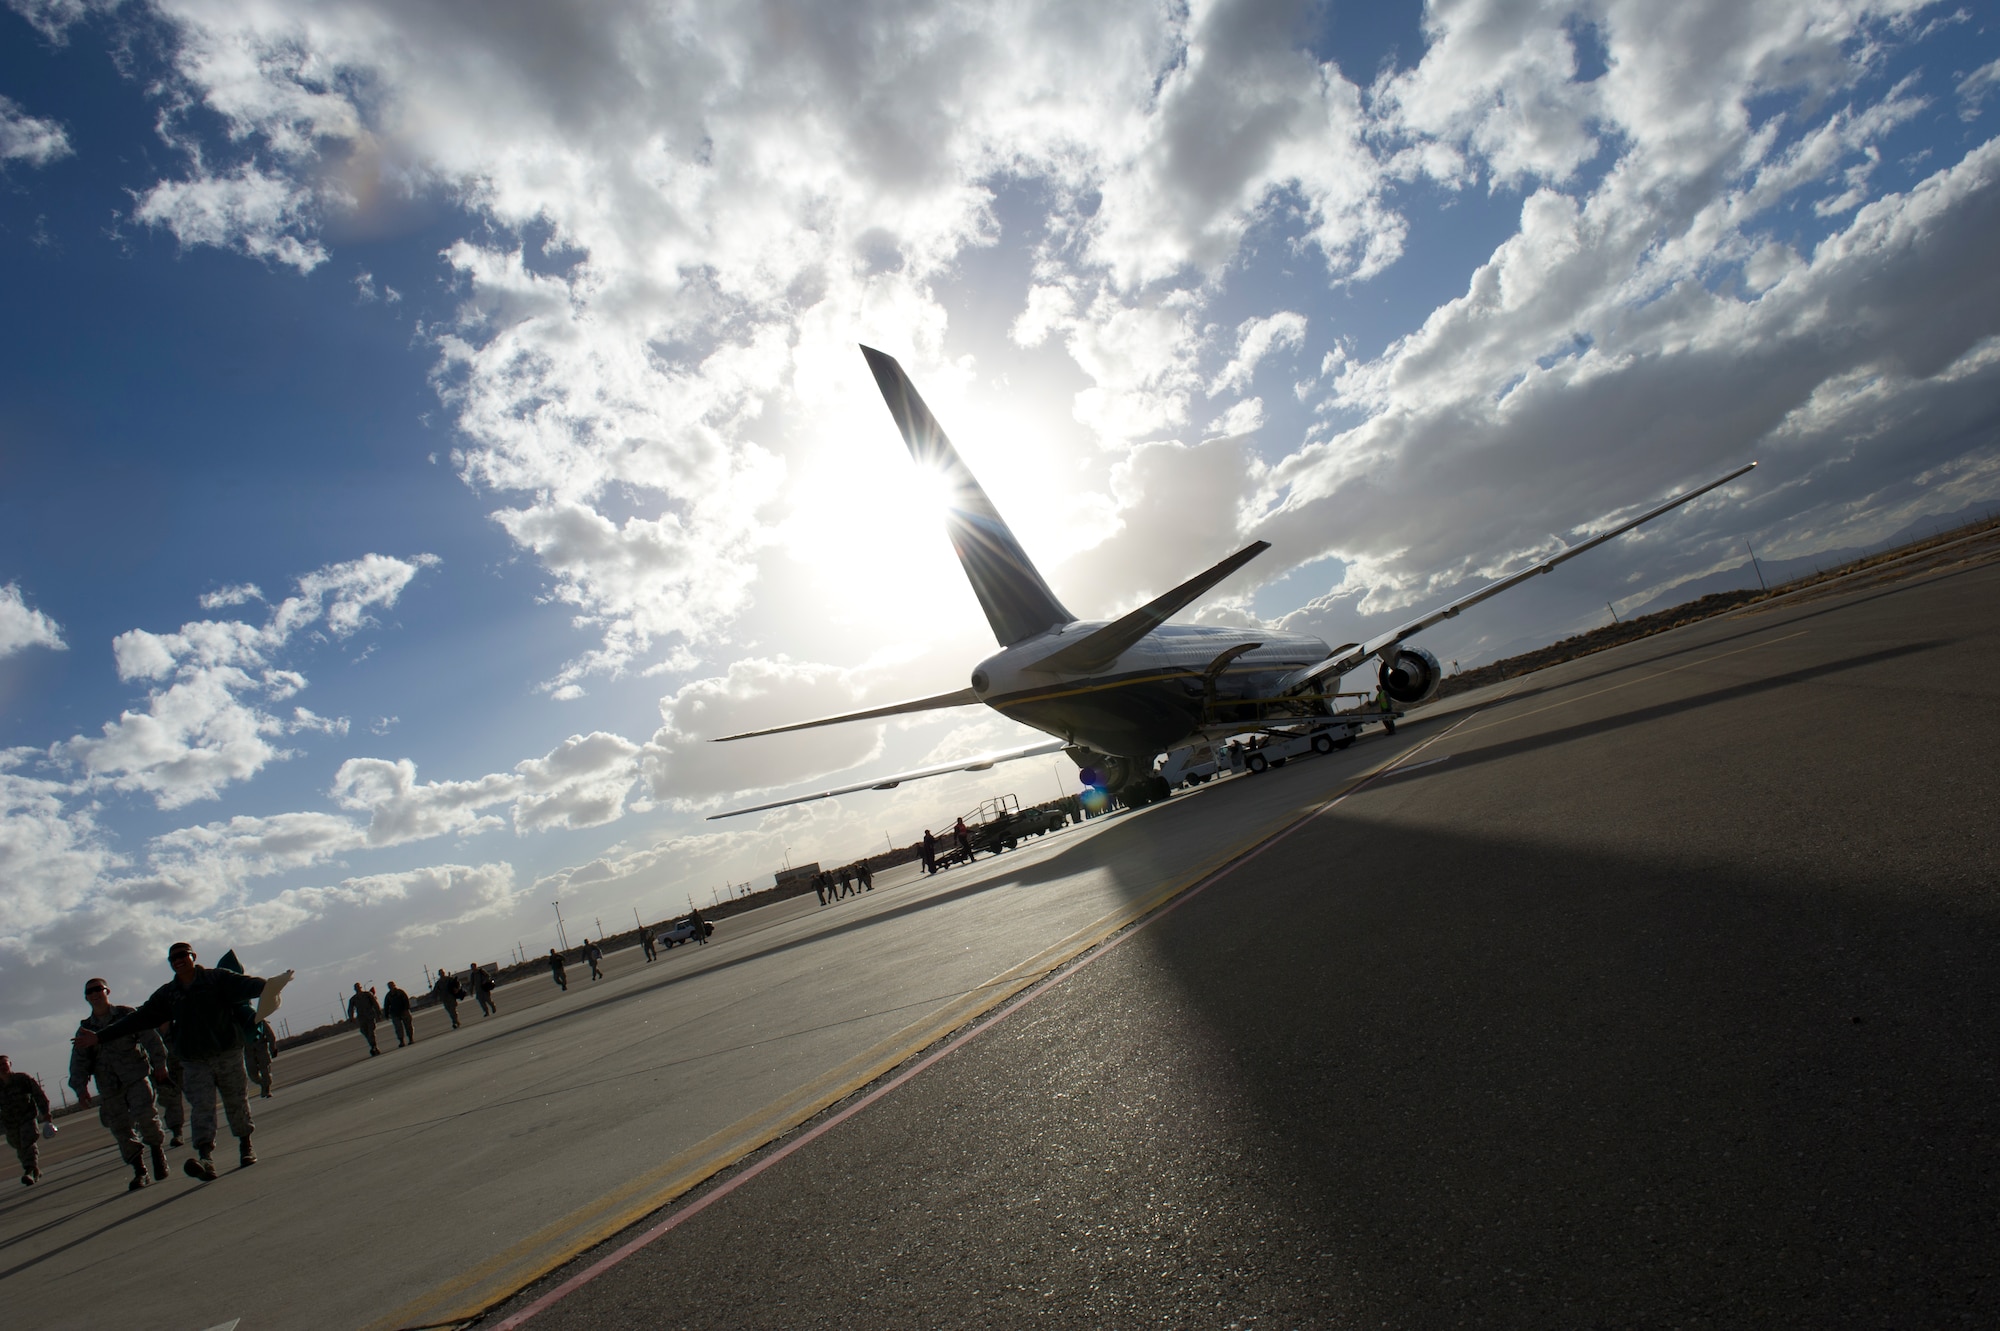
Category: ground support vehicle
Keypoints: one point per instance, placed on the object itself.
(682, 931)
(1273, 748)
(1193, 765)
(999, 824)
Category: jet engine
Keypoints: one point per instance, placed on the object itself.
(1410, 675)
(1102, 770)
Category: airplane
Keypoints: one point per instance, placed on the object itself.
(1117, 693)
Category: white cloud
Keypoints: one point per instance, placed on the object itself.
(209, 726)
(30, 139)
(225, 597)
(51, 856)
(583, 782)
(1975, 87)
(406, 906)
(1245, 417)
(682, 768)
(1256, 339)
(400, 808)
(22, 627)
(247, 210)
(1475, 451)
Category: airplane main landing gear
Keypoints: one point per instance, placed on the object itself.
(1146, 790)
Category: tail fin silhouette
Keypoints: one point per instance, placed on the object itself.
(1018, 604)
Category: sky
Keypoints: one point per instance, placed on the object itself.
(423, 424)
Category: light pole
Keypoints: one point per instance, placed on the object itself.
(1756, 565)
(788, 859)
(562, 935)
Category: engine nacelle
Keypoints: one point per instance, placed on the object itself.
(1102, 770)
(1410, 676)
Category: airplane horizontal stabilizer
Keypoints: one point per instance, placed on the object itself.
(1103, 646)
(978, 764)
(957, 698)
(1018, 604)
(1346, 659)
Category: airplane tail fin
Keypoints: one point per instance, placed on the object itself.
(1018, 604)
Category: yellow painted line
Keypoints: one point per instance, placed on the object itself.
(523, 1263)
(506, 1273)
(1659, 674)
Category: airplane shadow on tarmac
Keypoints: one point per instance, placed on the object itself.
(1593, 1090)
(1422, 1079)
(1659, 711)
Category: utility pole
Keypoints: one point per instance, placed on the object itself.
(562, 935)
(1614, 614)
(1754, 564)
(638, 923)
(600, 927)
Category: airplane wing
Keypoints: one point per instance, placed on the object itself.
(1103, 646)
(1342, 661)
(978, 764)
(957, 698)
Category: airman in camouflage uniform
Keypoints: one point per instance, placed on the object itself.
(167, 1087)
(124, 1072)
(257, 1056)
(202, 1004)
(21, 1104)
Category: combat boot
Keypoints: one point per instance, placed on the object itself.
(245, 1156)
(159, 1164)
(199, 1166)
(139, 1179)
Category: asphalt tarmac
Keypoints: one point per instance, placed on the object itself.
(1654, 989)
(422, 1186)
(1658, 991)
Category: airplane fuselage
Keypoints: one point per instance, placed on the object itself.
(1155, 695)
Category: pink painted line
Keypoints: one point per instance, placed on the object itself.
(693, 1209)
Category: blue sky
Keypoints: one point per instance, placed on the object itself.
(510, 359)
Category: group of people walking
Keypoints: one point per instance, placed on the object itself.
(195, 1042)
(366, 1010)
(839, 884)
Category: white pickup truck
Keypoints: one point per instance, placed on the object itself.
(682, 931)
